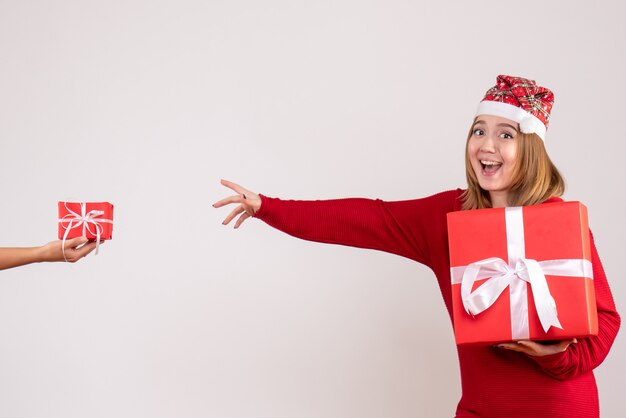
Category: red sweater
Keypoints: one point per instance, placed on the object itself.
(495, 382)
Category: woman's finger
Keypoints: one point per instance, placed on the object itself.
(511, 346)
(75, 242)
(228, 200)
(531, 347)
(233, 186)
(526, 347)
(242, 218)
(72, 255)
(234, 213)
(85, 249)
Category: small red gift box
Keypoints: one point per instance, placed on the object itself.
(93, 220)
(521, 273)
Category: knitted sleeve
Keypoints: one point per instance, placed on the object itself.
(403, 227)
(589, 352)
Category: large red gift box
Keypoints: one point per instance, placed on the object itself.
(93, 220)
(521, 273)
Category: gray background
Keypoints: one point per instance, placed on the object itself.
(147, 104)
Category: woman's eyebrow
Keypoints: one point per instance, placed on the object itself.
(508, 125)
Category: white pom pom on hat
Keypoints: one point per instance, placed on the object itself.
(528, 125)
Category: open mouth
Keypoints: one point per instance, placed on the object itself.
(490, 167)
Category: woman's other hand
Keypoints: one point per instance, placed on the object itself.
(248, 203)
(535, 349)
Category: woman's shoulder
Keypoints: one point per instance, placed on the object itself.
(447, 195)
(447, 200)
(454, 198)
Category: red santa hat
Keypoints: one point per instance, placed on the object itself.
(520, 100)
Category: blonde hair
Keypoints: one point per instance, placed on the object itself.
(535, 177)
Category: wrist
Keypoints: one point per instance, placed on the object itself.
(41, 254)
(38, 254)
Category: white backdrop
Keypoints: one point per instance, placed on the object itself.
(147, 104)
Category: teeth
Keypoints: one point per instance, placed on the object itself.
(485, 162)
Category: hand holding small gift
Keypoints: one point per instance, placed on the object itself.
(83, 227)
(71, 250)
(74, 249)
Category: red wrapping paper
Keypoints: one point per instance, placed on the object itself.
(553, 231)
(85, 219)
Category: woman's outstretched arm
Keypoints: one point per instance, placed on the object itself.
(410, 228)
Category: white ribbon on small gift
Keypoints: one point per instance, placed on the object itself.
(90, 221)
(514, 275)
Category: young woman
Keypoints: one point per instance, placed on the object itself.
(506, 165)
(75, 249)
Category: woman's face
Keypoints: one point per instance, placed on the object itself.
(492, 150)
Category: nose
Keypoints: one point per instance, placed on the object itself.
(488, 144)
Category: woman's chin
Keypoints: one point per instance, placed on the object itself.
(488, 185)
(492, 186)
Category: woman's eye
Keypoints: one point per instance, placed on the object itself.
(506, 135)
(479, 132)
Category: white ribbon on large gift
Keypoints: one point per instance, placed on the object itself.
(514, 275)
(90, 221)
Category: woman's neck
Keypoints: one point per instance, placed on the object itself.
(499, 199)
